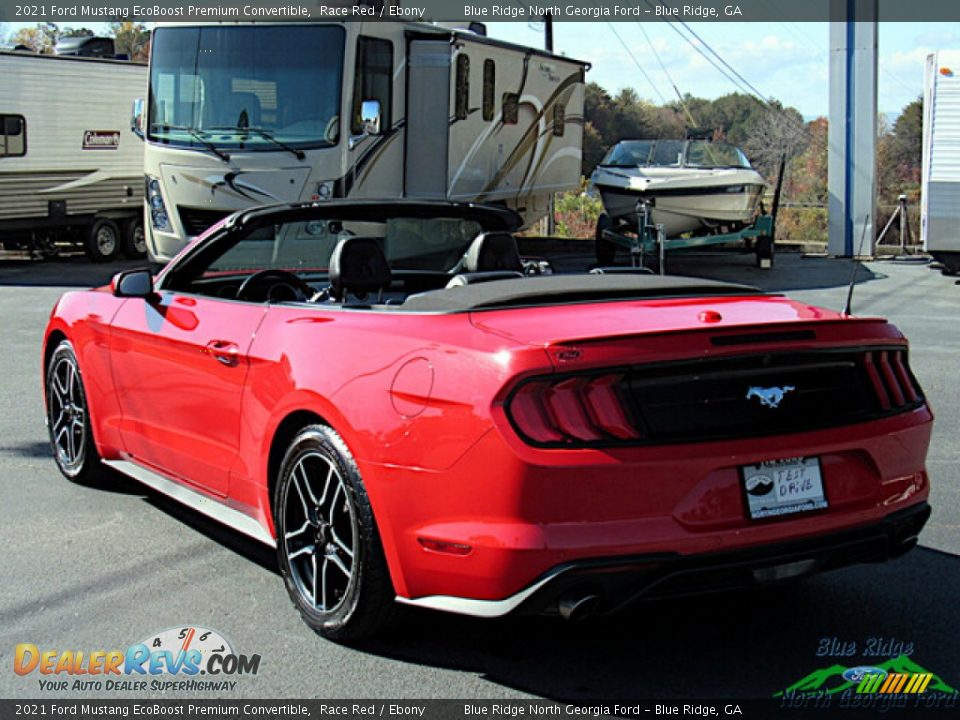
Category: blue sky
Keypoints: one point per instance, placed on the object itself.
(786, 60)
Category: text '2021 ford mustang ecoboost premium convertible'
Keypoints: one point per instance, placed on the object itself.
(412, 413)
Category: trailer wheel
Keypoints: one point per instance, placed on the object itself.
(134, 240)
(763, 248)
(606, 250)
(45, 246)
(103, 240)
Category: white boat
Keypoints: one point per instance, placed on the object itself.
(692, 185)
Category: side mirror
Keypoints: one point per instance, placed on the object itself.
(136, 118)
(370, 117)
(369, 122)
(133, 284)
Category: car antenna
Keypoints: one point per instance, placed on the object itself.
(847, 310)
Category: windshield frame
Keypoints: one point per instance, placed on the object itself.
(180, 273)
(684, 161)
(241, 139)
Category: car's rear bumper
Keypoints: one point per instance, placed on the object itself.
(605, 585)
(516, 514)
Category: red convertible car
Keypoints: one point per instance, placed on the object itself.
(412, 413)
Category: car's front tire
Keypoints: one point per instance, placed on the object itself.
(328, 547)
(68, 418)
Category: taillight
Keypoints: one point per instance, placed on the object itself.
(895, 388)
(572, 411)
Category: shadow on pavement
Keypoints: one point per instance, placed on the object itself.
(743, 645)
(262, 555)
(69, 271)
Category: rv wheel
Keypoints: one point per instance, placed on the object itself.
(103, 240)
(134, 241)
(606, 250)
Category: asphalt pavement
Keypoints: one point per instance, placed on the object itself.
(91, 569)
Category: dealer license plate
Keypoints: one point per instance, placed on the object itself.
(783, 487)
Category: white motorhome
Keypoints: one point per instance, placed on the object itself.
(70, 168)
(241, 114)
(940, 189)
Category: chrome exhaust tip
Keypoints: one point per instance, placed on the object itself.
(905, 546)
(577, 605)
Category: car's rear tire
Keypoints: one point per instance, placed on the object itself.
(68, 419)
(328, 546)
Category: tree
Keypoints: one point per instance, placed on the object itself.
(906, 146)
(76, 32)
(41, 38)
(807, 174)
(131, 39)
(771, 134)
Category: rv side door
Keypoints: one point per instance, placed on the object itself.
(428, 119)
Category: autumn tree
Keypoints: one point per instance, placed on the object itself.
(40, 38)
(131, 39)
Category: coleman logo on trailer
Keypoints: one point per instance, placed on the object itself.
(101, 139)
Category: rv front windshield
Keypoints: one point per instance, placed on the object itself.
(246, 87)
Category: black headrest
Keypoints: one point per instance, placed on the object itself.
(492, 251)
(357, 266)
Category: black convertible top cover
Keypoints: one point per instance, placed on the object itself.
(560, 289)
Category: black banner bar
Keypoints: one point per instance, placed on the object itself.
(819, 707)
(73, 11)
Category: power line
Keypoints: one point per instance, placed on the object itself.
(759, 94)
(666, 72)
(709, 59)
(636, 62)
(706, 57)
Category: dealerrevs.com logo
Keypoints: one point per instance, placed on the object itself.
(179, 659)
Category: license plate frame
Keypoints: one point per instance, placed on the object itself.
(783, 488)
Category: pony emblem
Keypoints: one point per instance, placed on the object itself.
(769, 397)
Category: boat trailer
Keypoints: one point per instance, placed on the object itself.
(646, 237)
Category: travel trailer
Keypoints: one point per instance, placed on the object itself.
(242, 114)
(71, 171)
(940, 188)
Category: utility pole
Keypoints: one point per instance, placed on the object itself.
(852, 165)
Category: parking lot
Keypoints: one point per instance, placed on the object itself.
(95, 569)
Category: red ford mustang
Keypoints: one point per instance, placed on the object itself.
(411, 412)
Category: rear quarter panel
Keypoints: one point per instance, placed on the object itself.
(401, 389)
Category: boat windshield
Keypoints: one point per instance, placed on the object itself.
(628, 153)
(703, 154)
(675, 153)
(246, 87)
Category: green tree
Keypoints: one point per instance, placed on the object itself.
(906, 147)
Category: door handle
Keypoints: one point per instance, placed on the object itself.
(225, 352)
